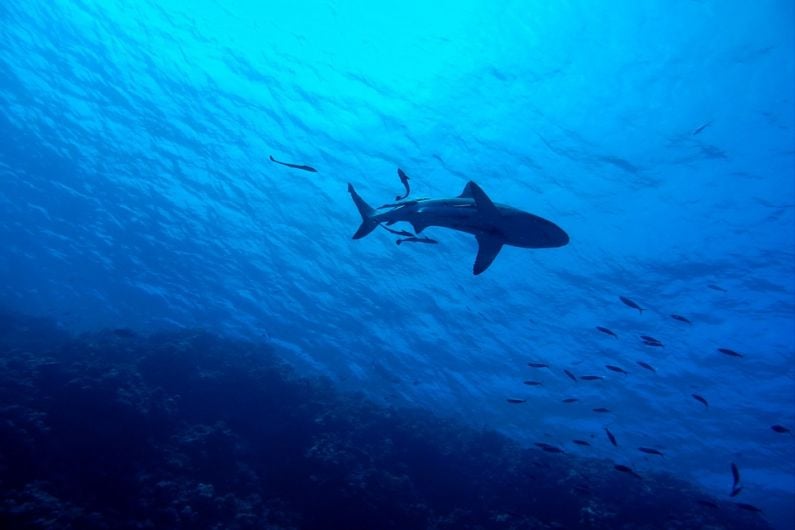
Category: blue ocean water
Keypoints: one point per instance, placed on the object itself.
(136, 191)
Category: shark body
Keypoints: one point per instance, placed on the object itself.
(473, 212)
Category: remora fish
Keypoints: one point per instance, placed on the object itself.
(473, 212)
(404, 179)
(295, 166)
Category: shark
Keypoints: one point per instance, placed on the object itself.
(493, 225)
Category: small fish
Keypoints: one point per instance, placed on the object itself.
(570, 400)
(736, 491)
(650, 451)
(680, 318)
(601, 409)
(700, 399)
(549, 448)
(717, 288)
(630, 303)
(538, 365)
(735, 476)
(626, 469)
(414, 239)
(747, 507)
(584, 443)
(708, 504)
(654, 343)
(404, 179)
(516, 400)
(606, 331)
(402, 233)
(779, 429)
(616, 369)
(611, 437)
(295, 166)
(591, 377)
(647, 366)
(701, 127)
(649, 338)
(730, 353)
(571, 375)
(533, 383)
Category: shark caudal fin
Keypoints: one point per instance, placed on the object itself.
(367, 213)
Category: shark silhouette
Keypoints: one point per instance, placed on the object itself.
(493, 225)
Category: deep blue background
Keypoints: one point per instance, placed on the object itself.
(135, 190)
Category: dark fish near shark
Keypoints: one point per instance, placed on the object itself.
(582, 443)
(533, 383)
(404, 179)
(650, 451)
(630, 303)
(570, 400)
(402, 233)
(295, 166)
(516, 401)
(415, 239)
(618, 369)
(591, 377)
(570, 375)
(537, 365)
(606, 331)
(779, 429)
(493, 225)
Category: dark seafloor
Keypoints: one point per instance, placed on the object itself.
(115, 430)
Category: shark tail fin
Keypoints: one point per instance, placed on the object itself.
(366, 211)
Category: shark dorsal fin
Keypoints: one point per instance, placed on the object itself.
(482, 201)
(488, 248)
(467, 193)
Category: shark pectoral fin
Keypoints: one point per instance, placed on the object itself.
(482, 201)
(488, 248)
(418, 226)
